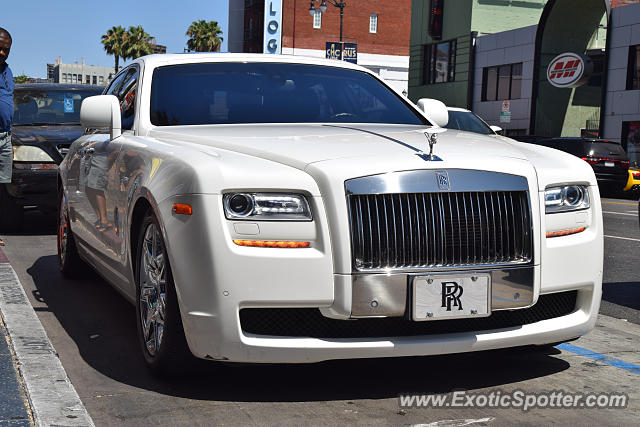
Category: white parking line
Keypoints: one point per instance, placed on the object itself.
(456, 423)
(621, 213)
(623, 238)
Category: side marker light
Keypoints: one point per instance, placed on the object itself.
(181, 209)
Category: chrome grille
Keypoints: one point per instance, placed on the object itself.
(418, 230)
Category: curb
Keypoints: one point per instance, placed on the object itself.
(52, 397)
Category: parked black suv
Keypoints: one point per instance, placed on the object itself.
(46, 120)
(607, 158)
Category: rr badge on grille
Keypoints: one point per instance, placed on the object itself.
(443, 180)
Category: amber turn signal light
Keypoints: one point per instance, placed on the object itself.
(182, 209)
(271, 244)
(565, 232)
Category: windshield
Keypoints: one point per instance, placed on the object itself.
(467, 121)
(226, 93)
(48, 106)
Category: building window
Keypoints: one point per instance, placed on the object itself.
(101, 79)
(373, 23)
(502, 82)
(317, 19)
(440, 62)
(88, 79)
(74, 78)
(633, 71)
(64, 77)
(95, 80)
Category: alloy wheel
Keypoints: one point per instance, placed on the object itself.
(63, 229)
(153, 289)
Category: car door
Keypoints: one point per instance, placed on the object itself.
(83, 215)
(102, 184)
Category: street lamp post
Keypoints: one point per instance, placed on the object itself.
(323, 8)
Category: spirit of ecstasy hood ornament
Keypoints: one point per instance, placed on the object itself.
(433, 140)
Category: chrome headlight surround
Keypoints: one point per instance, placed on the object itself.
(566, 198)
(266, 207)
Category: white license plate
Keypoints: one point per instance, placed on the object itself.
(452, 296)
(609, 164)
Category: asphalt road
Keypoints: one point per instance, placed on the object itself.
(93, 329)
(621, 284)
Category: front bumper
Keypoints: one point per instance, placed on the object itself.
(281, 349)
(34, 187)
(213, 290)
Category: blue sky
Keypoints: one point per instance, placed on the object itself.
(42, 30)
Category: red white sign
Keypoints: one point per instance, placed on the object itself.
(569, 70)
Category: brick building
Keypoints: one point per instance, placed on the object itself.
(381, 30)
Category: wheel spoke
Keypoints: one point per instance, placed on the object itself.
(152, 282)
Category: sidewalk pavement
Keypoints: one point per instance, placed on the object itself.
(34, 387)
(14, 411)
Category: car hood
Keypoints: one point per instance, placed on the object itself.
(301, 145)
(53, 134)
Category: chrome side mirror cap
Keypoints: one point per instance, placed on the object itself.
(435, 110)
(100, 112)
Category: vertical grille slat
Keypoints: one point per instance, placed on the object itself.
(416, 230)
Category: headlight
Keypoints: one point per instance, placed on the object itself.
(566, 199)
(266, 207)
(30, 153)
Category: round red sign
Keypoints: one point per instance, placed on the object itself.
(568, 70)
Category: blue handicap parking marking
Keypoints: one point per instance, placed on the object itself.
(620, 364)
(68, 105)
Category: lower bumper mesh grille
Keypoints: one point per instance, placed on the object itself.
(309, 322)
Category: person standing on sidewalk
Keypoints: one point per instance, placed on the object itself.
(6, 110)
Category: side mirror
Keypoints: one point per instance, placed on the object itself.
(496, 129)
(435, 110)
(101, 111)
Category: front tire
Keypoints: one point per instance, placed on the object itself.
(71, 266)
(160, 331)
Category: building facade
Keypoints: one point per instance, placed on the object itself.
(380, 30)
(443, 40)
(622, 111)
(79, 73)
(508, 77)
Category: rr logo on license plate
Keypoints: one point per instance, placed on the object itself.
(451, 294)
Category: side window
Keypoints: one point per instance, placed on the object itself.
(127, 95)
(113, 86)
(124, 88)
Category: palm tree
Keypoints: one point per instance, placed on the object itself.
(138, 43)
(204, 36)
(113, 42)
